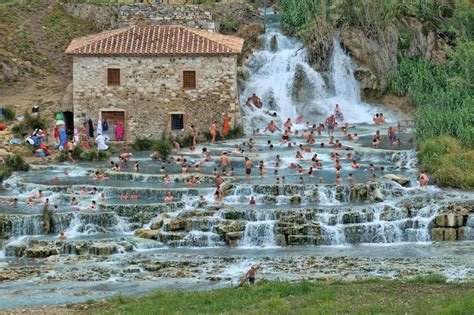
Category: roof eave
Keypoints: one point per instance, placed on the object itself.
(152, 55)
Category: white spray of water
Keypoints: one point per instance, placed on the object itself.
(271, 76)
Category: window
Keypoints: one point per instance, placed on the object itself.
(113, 76)
(189, 79)
(177, 121)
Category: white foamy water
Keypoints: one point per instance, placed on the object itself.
(271, 76)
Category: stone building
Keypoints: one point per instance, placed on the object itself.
(155, 79)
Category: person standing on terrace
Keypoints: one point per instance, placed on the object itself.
(213, 132)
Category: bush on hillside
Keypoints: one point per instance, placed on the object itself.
(447, 162)
(5, 172)
(13, 163)
(16, 163)
(8, 113)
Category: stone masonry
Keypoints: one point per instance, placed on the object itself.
(151, 89)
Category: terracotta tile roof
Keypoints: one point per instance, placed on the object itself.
(156, 40)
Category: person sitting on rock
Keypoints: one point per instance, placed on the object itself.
(257, 102)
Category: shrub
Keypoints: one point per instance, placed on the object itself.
(162, 148)
(4, 172)
(143, 144)
(77, 152)
(8, 113)
(34, 122)
(16, 163)
(19, 130)
(95, 155)
(234, 133)
(447, 162)
(229, 25)
(185, 141)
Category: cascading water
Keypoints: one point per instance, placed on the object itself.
(259, 233)
(287, 84)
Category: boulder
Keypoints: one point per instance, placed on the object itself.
(437, 234)
(102, 249)
(40, 252)
(230, 226)
(302, 89)
(375, 57)
(158, 222)
(176, 225)
(377, 195)
(398, 179)
(234, 235)
(295, 200)
(171, 236)
(149, 234)
(449, 220)
(300, 240)
(450, 234)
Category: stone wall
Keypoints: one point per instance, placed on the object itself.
(190, 15)
(102, 16)
(455, 222)
(151, 88)
(111, 16)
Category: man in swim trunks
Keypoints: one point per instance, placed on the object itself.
(272, 127)
(224, 160)
(248, 168)
(250, 275)
(331, 124)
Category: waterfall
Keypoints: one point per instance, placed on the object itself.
(287, 84)
(259, 234)
(342, 74)
(26, 225)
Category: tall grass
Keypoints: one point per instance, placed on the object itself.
(448, 162)
(444, 104)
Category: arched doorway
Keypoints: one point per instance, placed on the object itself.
(69, 122)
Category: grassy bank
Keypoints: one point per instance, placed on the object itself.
(421, 296)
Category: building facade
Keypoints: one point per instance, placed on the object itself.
(155, 79)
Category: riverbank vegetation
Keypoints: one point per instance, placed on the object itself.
(440, 89)
(422, 295)
(13, 163)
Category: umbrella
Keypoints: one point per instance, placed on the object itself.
(99, 124)
(60, 122)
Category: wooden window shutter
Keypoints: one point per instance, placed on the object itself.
(113, 76)
(189, 79)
